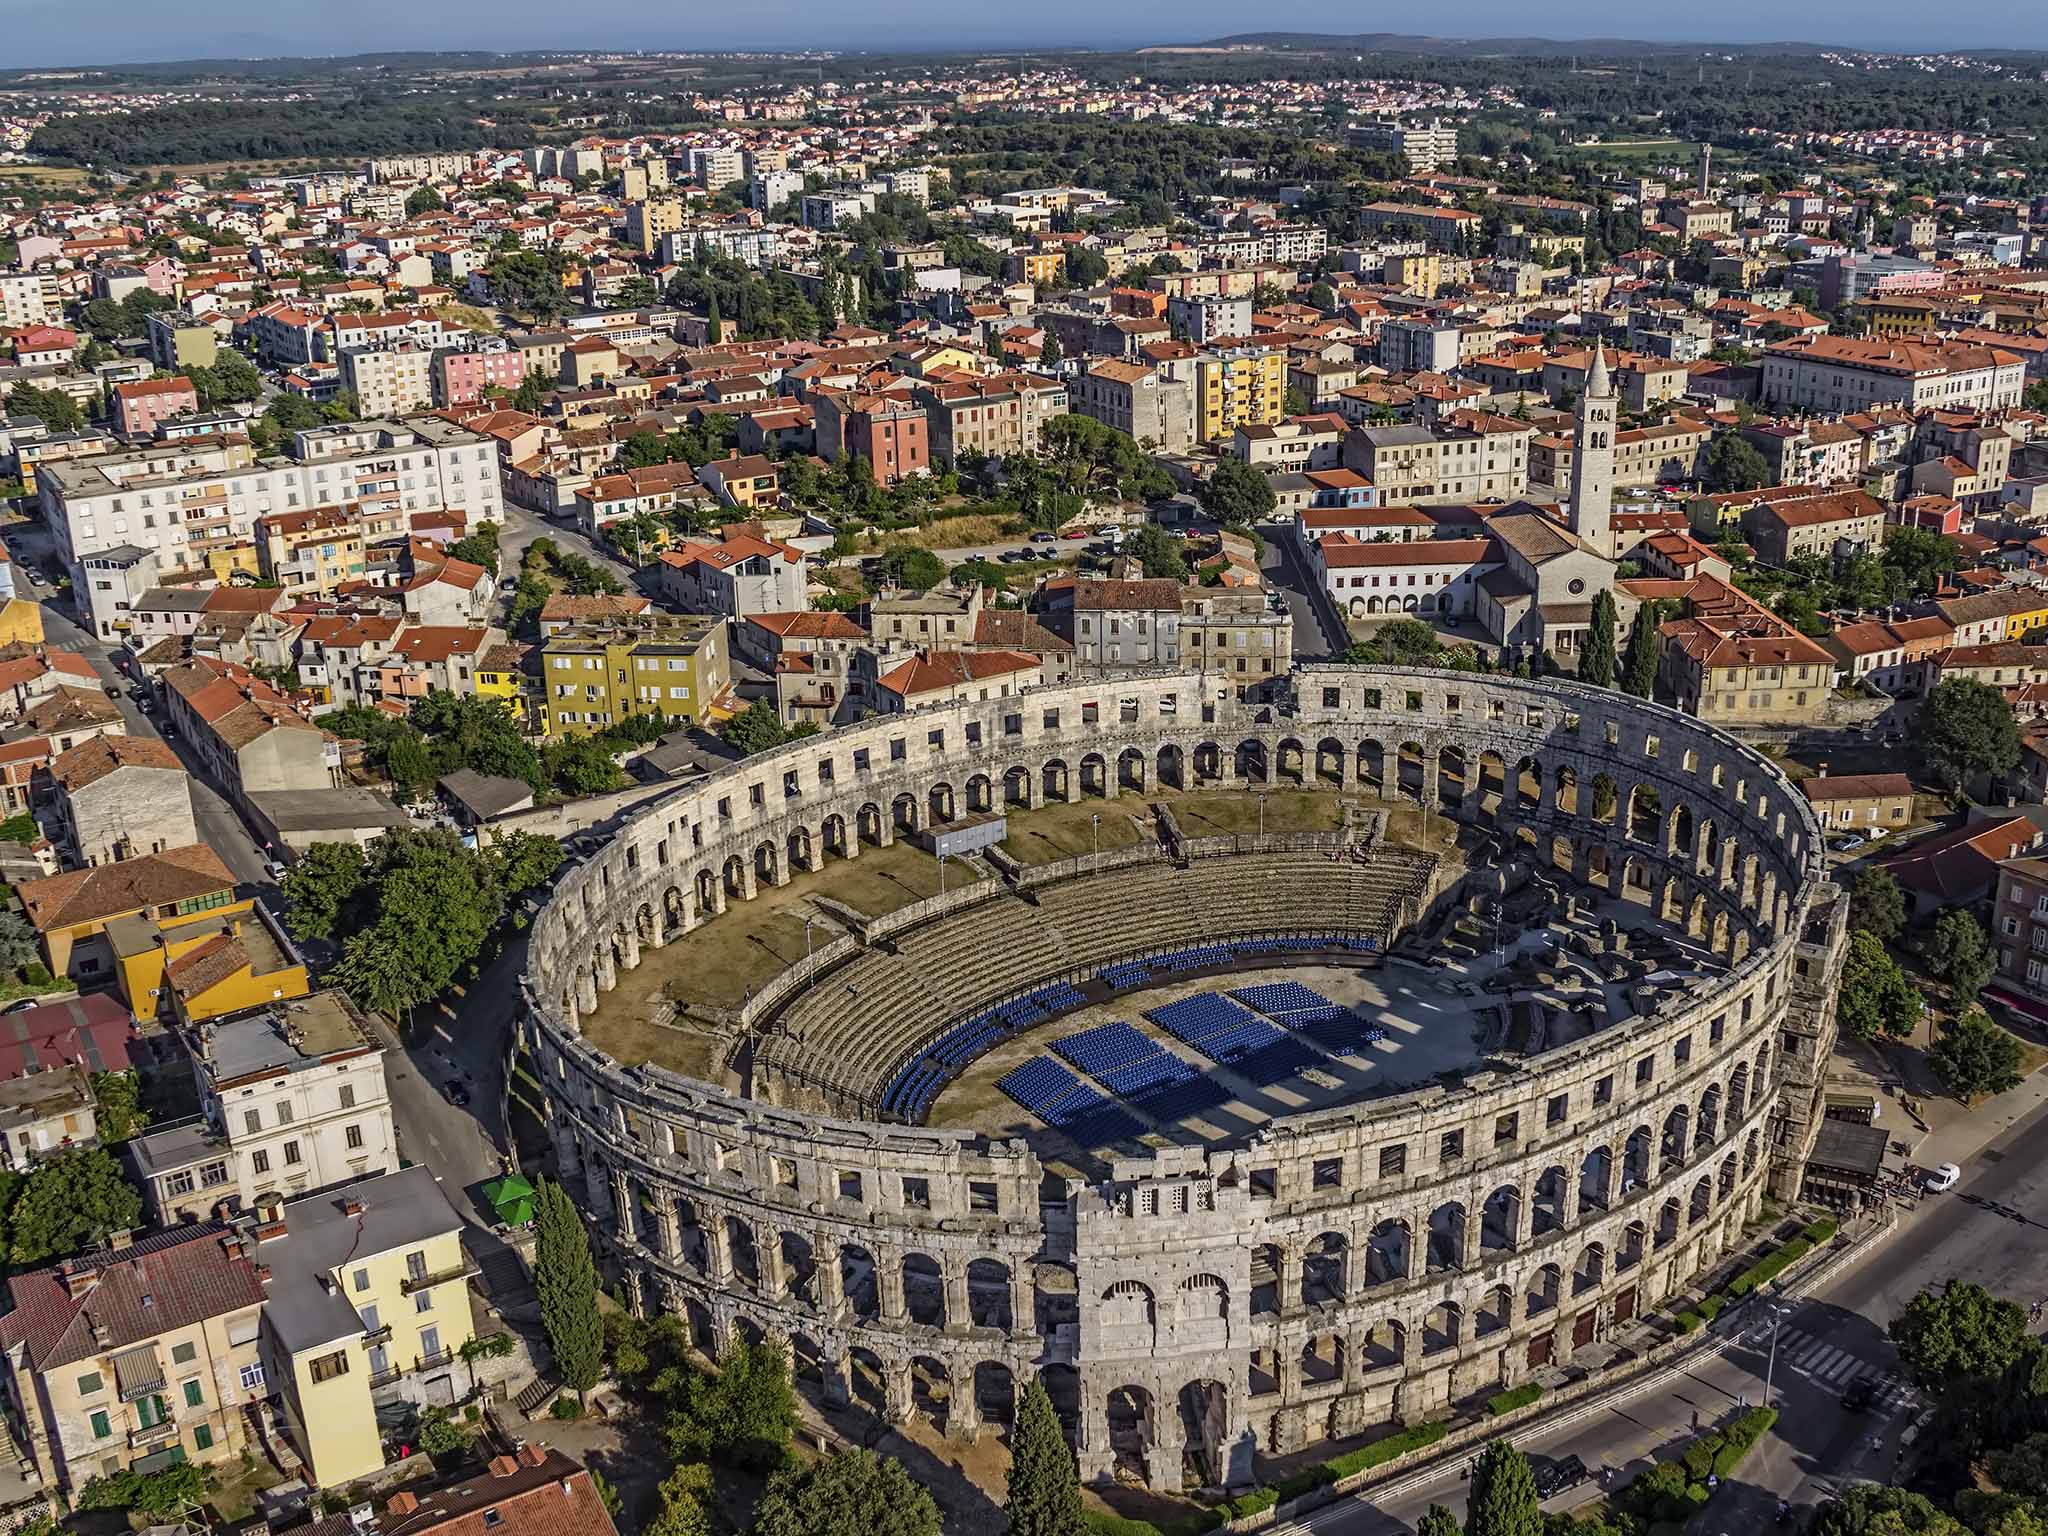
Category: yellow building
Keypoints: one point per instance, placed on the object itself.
(135, 1357)
(21, 622)
(499, 675)
(369, 1304)
(1238, 387)
(73, 912)
(2027, 619)
(596, 675)
(1039, 267)
(212, 964)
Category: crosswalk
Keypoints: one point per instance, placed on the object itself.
(1830, 1365)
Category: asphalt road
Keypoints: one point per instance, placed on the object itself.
(1993, 1229)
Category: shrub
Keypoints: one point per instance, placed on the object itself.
(1686, 1322)
(1821, 1231)
(1306, 1481)
(1710, 1307)
(1252, 1503)
(1513, 1398)
(1381, 1452)
(567, 1408)
(1102, 1523)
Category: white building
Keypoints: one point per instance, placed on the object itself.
(1836, 375)
(293, 1099)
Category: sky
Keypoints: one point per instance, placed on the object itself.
(41, 32)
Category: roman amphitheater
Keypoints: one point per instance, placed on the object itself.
(1256, 1074)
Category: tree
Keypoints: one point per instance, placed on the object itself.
(565, 1280)
(319, 886)
(1958, 1336)
(1044, 1490)
(1877, 906)
(525, 860)
(1085, 267)
(1237, 495)
(1733, 465)
(855, 1493)
(1596, 661)
(1323, 297)
(1163, 556)
(583, 765)
(1875, 998)
(1958, 952)
(917, 569)
(1438, 1521)
(1639, 663)
(683, 1493)
(235, 380)
(18, 944)
(742, 1416)
(1975, 1057)
(532, 391)
(756, 728)
(1872, 1509)
(117, 1101)
(1967, 728)
(71, 1201)
(52, 407)
(424, 199)
(426, 906)
(440, 1435)
(1049, 353)
(1504, 1501)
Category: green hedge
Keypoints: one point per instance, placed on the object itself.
(1102, 1523)
(1769, 1267)
(1673, 1491)
(1308, 1480)
(1686, 1322)
(1513, 1398)
(1821, 1230)
(1381, 1452)
(1251, 1503)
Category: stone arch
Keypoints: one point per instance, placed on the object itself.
(1707, 1122)
(1170, 767)
(735, 874)
(1446, 1243)
(1702, 1200)
(1290, 761)
(741, 1251)
(981, 795)
(1596, 1179)
(1251, 765)
(1565, 789)
(1130, 769)
(1682, 830)
(1202, 1301)
(1731, 1170)
(1409, 774)
(1372, 761)
(1094, 772)
(1129, 1420)
(1590, 1272)
(1443, 1326)
(1548, 1208)
(1751, 1145)
(1493, 781)
(988, 1294)
(1451, 785)
(1384, 1343)
(931, 1389)
(1267, 1264)
(1671, 1147)
(1635, 1242)
(1017, 786)
(1208, 763)
(1330, 760)
(1325, 1268)
(1205, 1430)
(767, 862)
(871, 823)
(1528, 785)
(1645, 818)
(1543, 1290)
(1496, 1311)
(1670, 1222)
(1130, 1316)
(1500, 1220)
(1387, 1252)
(1322, 1359)
(645, 924)
(1055, 781)
(940, 803)
(799, 852)
(859, 1283)
(1638, 1159)
(832, 833)
(1738, 1092)
(904, 813)
(924, 1290)
(995, 1392)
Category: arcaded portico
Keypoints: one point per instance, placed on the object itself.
(1336, 1268)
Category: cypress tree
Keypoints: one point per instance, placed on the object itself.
(714, 327)
(1596, 662)
(565, 1279)
(1045, 1490)
(1438, 1522)
(1639, 665)
(1504, 1501)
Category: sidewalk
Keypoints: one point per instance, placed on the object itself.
(1935, 1129)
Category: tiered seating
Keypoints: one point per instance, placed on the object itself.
(1198, 1018)
(1041, 1085)
(1340, 1034)
(1274, 1063)
(1279, 997)
(911, 1091)
(1100, 1123)
(1096, 1051)
(1157, 1069)
(1131, 973)
(1182, 1098)
(1240, 1040)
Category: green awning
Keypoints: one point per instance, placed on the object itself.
(512, 1198)
(156, 1461)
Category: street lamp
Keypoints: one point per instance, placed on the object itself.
(942, 874)
(1095, 831)
(1262, 815)
(1778, 1311)
(809, 974)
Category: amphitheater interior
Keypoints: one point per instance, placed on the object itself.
(1256, 1075)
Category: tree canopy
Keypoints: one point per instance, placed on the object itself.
(565, 1280)
(1966, 729)
(1875, 997)
(1973, 1056)
(853, 1493)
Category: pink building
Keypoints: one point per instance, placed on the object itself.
(139, 407)
(460, 378)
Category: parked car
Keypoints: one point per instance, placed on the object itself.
(1043, 537)
(1942, 1178)
(1861, 1395)
(273, 870)
(1555, 1477)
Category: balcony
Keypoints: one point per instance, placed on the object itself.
(437, 1359)
(156, 1434)
(462, 1271)
(385, 1377)
(378, 1335)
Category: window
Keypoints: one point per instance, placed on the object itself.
(179, 1183)
(195, 1395)
(1645, 1070)
(430, 1342)
(184, 1354)
(291, 1153)
(1393, 1161)
(849, 1185)
(1603, 1091)
(348, 1096)
(252, 1120)
(917, 1194)
(150, 1411)
(202, 1437)
(362, 1281)
(252, 1378)
(423, 1300)
(981, 1197)
(327, 1367)
(492, 1519)
(353, 1135)
(259, 1162)
(101, 1425)
(1554, 1111)
(89, 1383)
(284, 1112)
(211, 1174)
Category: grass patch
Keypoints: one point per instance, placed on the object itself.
(964, 532)
(1513, 1398)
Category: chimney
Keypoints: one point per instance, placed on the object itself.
(125, 1238)
(76, 1279)
(504, 1466)
(351, 1207)
(402, 1503)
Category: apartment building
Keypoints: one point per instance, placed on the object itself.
(1837, 374)
(310, 552)
(116, 797)
(1238, 386)
(292, 1099)
(30, 298)
(1425, 146)
(1731, 661)
(1113, 624)
(1487, 460)
(194, 504)
(1660, 455)
(463, 375)
(1783, 529)
(945, 677)
(1149, 406)
(996, 415)
(1852, 801)
(734, 576)
(368, 1304)
(390, 381)
(135, 1356)
(1289, 447)
(1420, 346)
(887, 430)
(1446, 227)
(138, 407)
(595, 675)
(246, 733)
(1240, 636)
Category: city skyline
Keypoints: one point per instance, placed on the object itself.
(47, 34)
